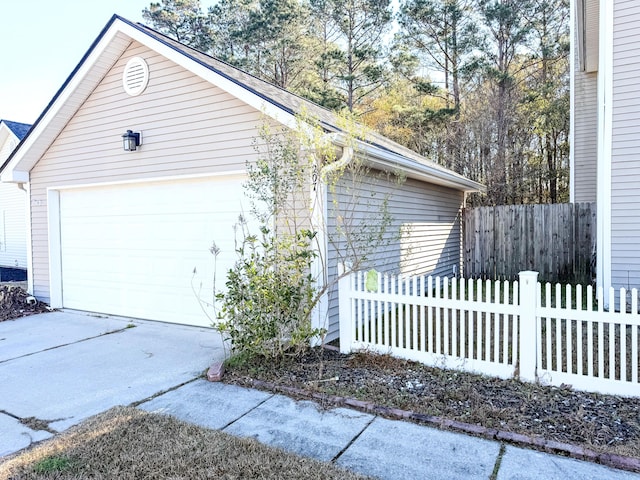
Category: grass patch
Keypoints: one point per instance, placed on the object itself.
(52, 464)
(237, 360)
(127, 443)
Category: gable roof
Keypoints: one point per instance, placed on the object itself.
(279, 104)
(19, 129)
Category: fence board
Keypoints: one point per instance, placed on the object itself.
(556, 240)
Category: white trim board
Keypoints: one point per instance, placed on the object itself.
(605, 125)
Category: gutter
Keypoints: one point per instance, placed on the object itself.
(387, 160)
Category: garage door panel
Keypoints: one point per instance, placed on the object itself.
(140, 199)
(114, 227)
(131, 250)
(169, 235)
(175, 306)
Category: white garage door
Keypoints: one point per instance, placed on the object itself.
(131, 249)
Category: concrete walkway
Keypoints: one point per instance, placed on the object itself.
(364, 443)
(64, 367)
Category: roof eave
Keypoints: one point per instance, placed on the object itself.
(78, 86)
(386, 160)
(14, 176)
(114, 39)
(86, 75)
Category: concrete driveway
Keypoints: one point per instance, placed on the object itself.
(59, 368)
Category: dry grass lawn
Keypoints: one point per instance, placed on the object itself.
(127, 443)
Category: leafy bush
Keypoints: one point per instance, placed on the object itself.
(266, 309)
(270, 291)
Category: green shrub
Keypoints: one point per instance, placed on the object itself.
(266, 309)
(271, 291)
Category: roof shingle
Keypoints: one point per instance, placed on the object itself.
(19, 129)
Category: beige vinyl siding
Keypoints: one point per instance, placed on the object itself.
(625, 161)
(424, 236)
(189, 127)
(585, 135)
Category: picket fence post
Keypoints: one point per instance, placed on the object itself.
(344, 309)
(528, 317)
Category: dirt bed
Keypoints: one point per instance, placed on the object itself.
(15, 302)
(602, 423)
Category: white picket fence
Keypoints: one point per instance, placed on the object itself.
(554, 335)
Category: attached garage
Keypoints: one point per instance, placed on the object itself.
(131, 249)
(119, 228)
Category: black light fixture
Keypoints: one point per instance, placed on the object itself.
(131, 140)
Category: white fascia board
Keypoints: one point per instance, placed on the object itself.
(55, 117)
(605, 132)
(14, 176)
(389, 161)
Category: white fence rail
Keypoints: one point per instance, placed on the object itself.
(518, 329)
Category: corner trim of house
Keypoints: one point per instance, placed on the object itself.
(320, 316)
(29, 238)
(605, 125)
(55, 250)
(572, 98)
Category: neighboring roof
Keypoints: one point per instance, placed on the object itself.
(273, 101)
(19, 129)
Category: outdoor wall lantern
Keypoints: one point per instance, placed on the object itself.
(131, 140)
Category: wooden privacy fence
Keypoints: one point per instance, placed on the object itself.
(519, 329)
(556, 240)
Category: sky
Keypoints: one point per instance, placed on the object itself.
(42, 41)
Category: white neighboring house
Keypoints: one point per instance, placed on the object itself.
(13, 209)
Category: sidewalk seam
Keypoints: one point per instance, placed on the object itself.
(247, 412)
(137, 403)
(351, 442)
(496, 467)
(42, 426)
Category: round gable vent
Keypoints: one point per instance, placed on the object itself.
(135, 76)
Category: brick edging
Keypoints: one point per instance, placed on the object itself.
(550, 446)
